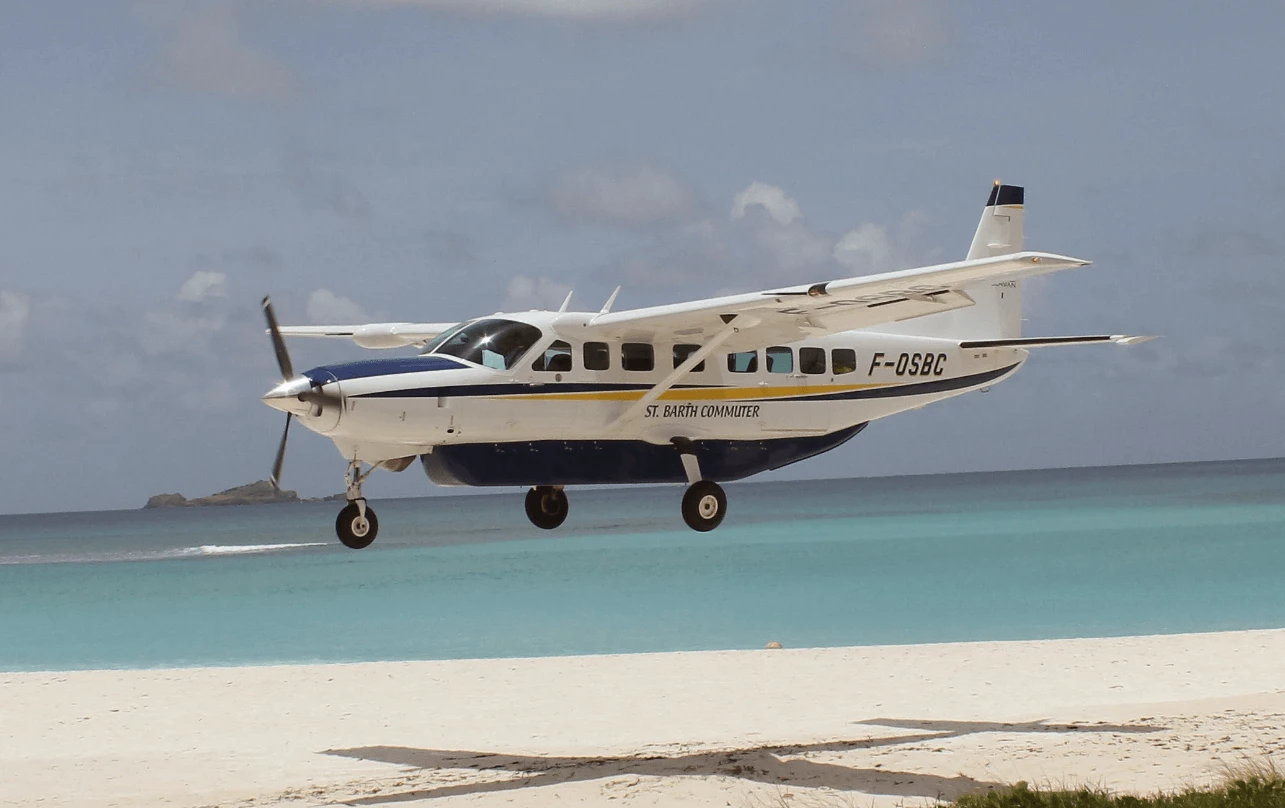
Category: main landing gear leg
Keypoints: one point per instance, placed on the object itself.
(356, 524)
(547, 506)
(704, 503)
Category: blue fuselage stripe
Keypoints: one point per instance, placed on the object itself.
(382, 367)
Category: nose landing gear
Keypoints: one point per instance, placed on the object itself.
(547, 506)
(357, 526)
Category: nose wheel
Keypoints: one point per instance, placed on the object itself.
(547, 506)
(704, 505)
(357, 525)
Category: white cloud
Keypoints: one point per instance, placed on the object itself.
(203, 284)
(766, 242)
(14, 310)
(793, 247)
(206, 52)
(586, 10)
(326, 307)
(774, 200)
(895, 33)
(525, 293)
(630, 196)
(865, 248)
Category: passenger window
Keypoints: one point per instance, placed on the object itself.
(743, 362)
(780, 360)
(843, 360)
(597, 356)
(555, 359)
(637, 356)
(681, 352)
(812, 360)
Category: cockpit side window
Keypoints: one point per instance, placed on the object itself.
(440, 338)
(555, 359)
(496, 344)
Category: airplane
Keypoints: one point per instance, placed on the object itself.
(700, 393)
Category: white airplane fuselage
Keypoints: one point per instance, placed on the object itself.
(479, 425)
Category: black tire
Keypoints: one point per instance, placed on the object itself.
(349, 528)
(547, 507)
(704, 505)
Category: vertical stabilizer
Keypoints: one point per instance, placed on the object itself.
(997, 313)
(1000, 230)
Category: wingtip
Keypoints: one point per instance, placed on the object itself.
(1131, 339)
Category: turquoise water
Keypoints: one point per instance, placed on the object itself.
(1081, 552)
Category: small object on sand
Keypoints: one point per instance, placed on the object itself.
(773, 644)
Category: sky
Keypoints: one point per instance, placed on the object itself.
(164, 164)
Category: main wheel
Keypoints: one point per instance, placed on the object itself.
(547, 506)
(704, 505)
(354, 530)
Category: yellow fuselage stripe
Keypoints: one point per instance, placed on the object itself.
(697, 393)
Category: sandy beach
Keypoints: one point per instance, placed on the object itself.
(840, 726)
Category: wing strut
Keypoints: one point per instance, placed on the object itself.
(733, 325)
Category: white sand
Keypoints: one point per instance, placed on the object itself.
(843, 726)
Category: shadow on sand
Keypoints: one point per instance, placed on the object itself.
(774, 765)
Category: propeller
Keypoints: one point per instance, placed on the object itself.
(278, 344)
(287, 373)
(306, 389)
(281, 454)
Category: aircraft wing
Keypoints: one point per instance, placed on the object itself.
(797, 312)
(373, 335)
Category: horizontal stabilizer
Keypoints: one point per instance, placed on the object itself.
(1048, 342)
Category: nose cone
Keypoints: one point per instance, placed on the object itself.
(288, 396)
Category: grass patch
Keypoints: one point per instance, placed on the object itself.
(1250, 789)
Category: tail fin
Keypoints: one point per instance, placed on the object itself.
(997, 313)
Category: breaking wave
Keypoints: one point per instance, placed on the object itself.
(158, 555)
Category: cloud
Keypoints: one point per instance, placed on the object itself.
(627, 196)
(772, 199)
(864, 246)
(894, 33)
(326, 307)
(203, 284)
(525, 293)
(583, 10)
(765, 242)
(14, 310)
(205, 52)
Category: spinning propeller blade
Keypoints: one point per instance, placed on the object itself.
(281, 454)
(278, 344)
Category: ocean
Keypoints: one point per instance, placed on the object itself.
(1013, 555)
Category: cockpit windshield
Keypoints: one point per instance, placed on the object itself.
(496, 344)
